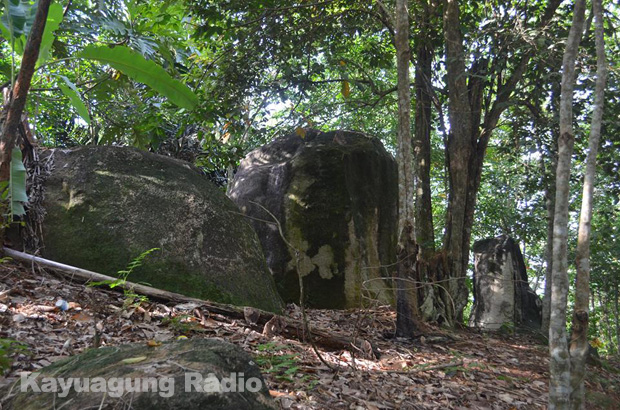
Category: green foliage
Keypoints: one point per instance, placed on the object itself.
(184, 324)
(131, 297)
(16, 21)
(9, 348)
(70, 90)
(507, 328)
(54, 19)
(139, 69)
(283, 366)
(13, 191)
(261, 68)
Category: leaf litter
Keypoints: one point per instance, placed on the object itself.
(444, 369)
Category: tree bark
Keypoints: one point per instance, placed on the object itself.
(559, 384)
(432, 299)
(550, 204)
(617, 320)
(407, 316)
(579, 338)
(470, 131)
(405, 150)
(549, 174)
(459, 152)
(424, 231)
(17, 102)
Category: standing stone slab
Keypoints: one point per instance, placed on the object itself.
(107, 205)
(335, 195)
(192, 374)
(502, 294)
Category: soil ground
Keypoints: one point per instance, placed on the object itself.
(456, 369)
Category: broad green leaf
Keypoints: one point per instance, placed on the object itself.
(17, 20)
(70, 90)
(139, 69)
(17, 184)
(54, 18)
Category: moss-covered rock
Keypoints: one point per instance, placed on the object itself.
(335, 195)
(107, 205)
(186, 374)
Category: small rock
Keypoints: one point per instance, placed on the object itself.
(18, 318)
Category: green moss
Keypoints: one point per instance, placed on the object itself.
(341, 217)
(205, 356)
(107, 205)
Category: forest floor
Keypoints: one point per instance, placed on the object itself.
(463, 369)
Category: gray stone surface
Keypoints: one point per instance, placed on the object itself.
(182, 375)
(502, 294)
(335, 195)
(107, 205)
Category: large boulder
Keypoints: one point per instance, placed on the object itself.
(335, 196)
(502, 294)
(107, 205)
(183, 375)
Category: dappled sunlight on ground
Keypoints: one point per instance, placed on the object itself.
(441, 370)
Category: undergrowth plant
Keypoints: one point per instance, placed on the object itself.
(184, 324)
(8, 348)
(132, 299)
(283, 366)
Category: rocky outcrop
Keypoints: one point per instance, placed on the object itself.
(107, 205)
(335, 196)
(502, 295)
(183, 375)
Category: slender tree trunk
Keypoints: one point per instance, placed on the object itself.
(407, 315)
(459, 152)
(424, 232)
(17, 102)
(549, 173)
(559, 385)
(617, 321)
(608, 328)
(432, 298)
(405, 150)
(550, 203)
(579, 337)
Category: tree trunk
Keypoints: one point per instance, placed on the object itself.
(469, 136)
(606, 310)
(424, 231)
(559, 385)
(459, 152)
(549, 175)
(407, 316)
(17, 102)
(550, 204)
(432, 299)
(579, 338)
(405, 150)
(617, 321)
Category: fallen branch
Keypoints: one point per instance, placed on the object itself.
(260, 317)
